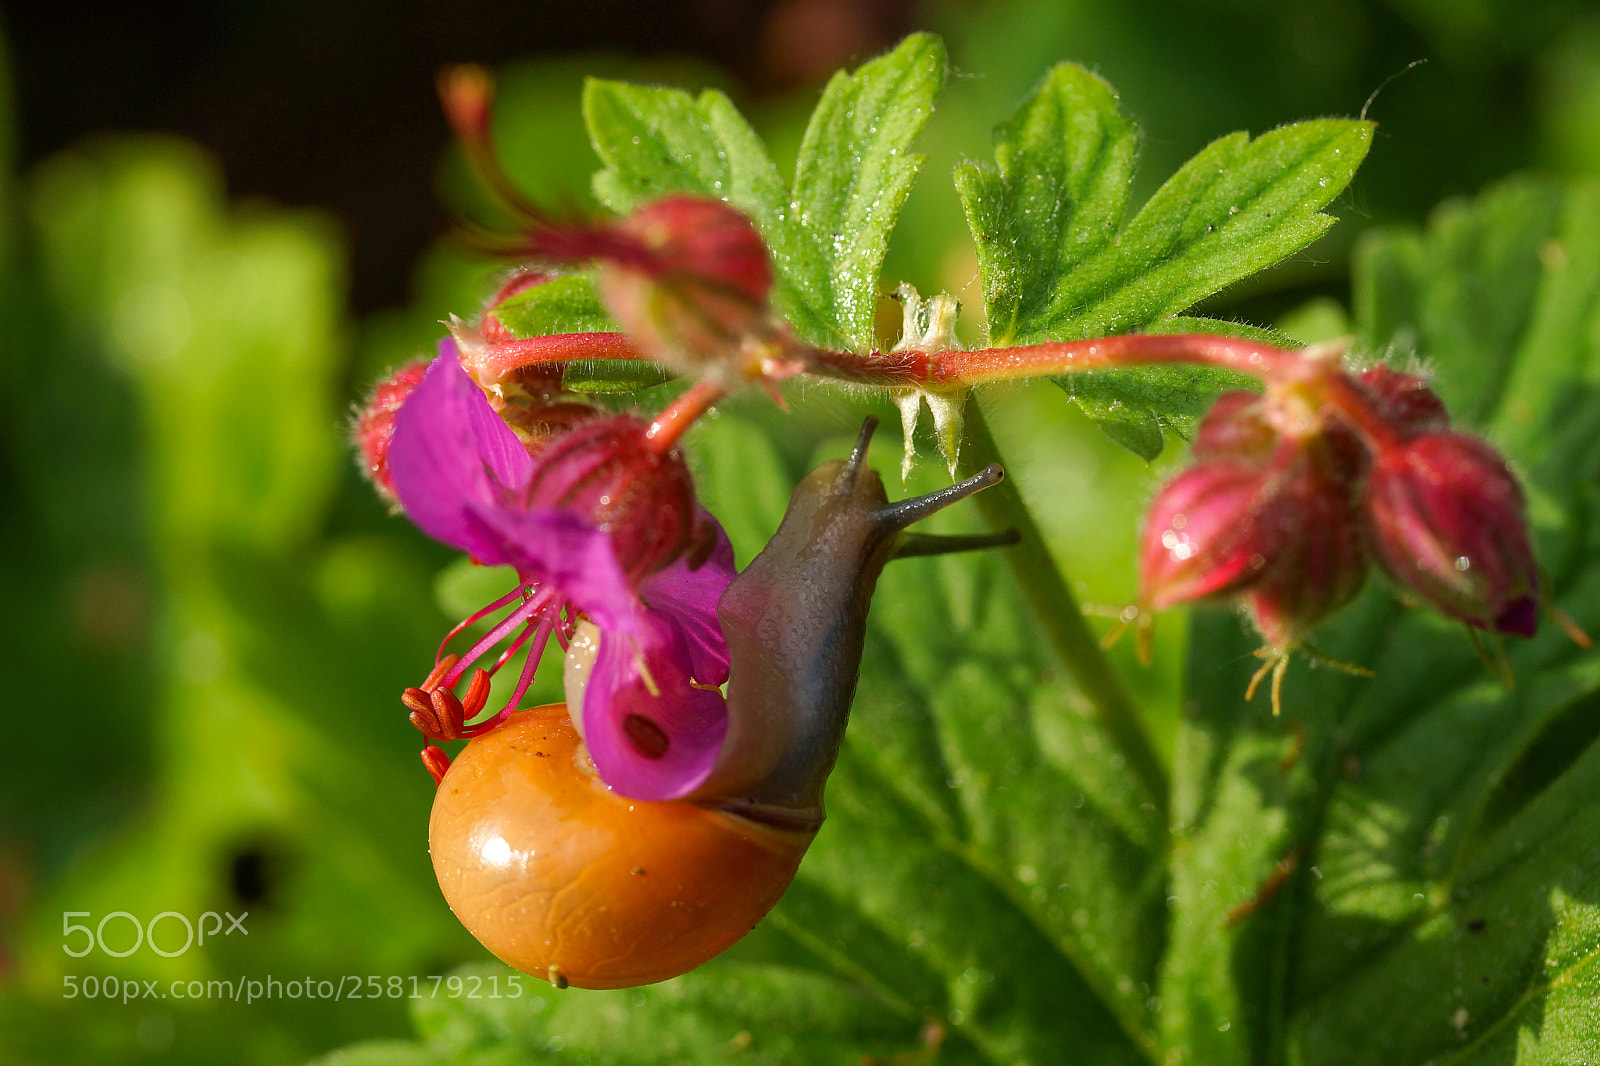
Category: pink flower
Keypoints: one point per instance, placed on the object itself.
(594, 524)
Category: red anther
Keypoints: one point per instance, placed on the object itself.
(436, 762)
(477, 694)
(445, 664)
(423, 716)
(451, 716)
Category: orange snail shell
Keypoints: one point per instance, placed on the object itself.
(562, 878)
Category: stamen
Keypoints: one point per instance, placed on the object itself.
(521, 615)
(436, 762)
(503, 601)
(441, 667)
(511, 650)
(1277, 661)
(477, 694)
(540, 635)
(1568, 626)
(450, 714)
(643, 667)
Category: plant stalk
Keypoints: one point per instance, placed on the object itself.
(1056, 609)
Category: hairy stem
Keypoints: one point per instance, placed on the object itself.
(956, 368)
(1057, 611)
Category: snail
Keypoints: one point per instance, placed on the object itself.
(563, 878)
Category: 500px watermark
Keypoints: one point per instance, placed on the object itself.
(145, 934)
(251, 989)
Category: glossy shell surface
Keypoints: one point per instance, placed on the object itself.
(564, 879)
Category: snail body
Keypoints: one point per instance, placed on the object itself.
(563, 878)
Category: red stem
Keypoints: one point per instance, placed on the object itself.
(1341, 393)
(958, 368)
(679, 415)
(496, 360)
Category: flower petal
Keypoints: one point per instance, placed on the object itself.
(655, 738)
(688, 599)
(450, 449)
(562, 551)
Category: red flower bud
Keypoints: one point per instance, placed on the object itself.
(603, 469)
(1199, 535)
(689, 281)
(1445, 518)
(1404, 400)
(1317, 565)
(1236, 427)
(1262, 515)
(374, 426)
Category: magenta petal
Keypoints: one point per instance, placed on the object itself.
(650, 746)
(561, 551)
(688, 599)
(450, 450)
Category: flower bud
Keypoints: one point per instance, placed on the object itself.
(1199, 536)
(1317, 565)
(1236, 427)
(1404, 400)
(1444, 517)
(374, 427)
(602, 470)
(1281, 533)
(688, 280)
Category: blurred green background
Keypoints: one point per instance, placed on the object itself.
(219, 222)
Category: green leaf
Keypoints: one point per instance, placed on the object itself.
(1057, 264)
(655, 141)
(727, 1012)
(853, 175)
(1063, 165)
(1445, 906)
(828, 233)
(565, 304)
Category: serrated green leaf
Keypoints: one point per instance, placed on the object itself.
(655, 141)
(1056, 196)
(828, 233)
(852, 177)
(1237, 207)
(1056, 266)
(1446, 902)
